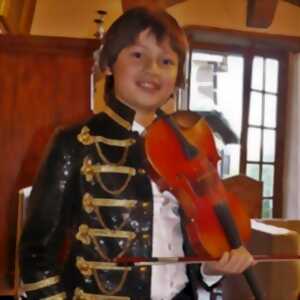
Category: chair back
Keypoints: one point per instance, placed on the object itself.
(249, 191)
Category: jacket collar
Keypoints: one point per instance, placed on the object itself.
(119, 112)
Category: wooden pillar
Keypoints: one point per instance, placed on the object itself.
(16, 16)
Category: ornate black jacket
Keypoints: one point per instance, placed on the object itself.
(93, 195)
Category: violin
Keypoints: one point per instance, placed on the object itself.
(182, 157)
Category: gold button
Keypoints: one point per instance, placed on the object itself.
(141, 171)
(143, 269)
(145, 204)
(146, 236)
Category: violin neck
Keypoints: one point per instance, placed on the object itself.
(189, 150)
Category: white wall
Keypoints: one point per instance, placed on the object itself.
(291, 178)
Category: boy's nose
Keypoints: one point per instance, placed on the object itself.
(152, 67)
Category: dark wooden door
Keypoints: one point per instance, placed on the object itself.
(44, 83)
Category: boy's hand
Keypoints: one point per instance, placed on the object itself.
(235, 261)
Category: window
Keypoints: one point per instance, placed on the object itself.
(262, 125)
(244, 88)
(216, 85)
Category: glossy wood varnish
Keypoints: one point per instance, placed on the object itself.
(44, 83)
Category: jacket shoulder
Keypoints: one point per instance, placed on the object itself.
(69, 133)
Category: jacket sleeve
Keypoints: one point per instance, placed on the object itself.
(49, 215)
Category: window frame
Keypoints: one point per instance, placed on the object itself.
(244, 44)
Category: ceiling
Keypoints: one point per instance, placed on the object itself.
(76, 18)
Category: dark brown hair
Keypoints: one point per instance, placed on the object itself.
(125, 30)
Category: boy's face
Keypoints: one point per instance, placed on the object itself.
(145, 73)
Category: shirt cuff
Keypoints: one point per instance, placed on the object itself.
(209, 280)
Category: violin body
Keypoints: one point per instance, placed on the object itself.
(194, 181)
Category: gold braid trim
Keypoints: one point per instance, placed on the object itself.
(114, 169)
(86, 236)
(89, 268)
(103, 224)
(125, 143)
(85, 233)
(121, 161)
(104, 289)
(86, 138)
(28, 287)
(117, 118)
(89, 170)
(59, 296)
(86, 267)
(90, 203)
(81, 295)
(118, 191)
(104, 255)
(99, 250)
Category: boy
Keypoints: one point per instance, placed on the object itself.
(92, 184)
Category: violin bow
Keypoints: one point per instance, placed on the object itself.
(143, 261)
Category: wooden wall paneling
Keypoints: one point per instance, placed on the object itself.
(44, 83)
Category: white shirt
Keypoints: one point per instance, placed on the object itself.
(167, 280)
(167, 241)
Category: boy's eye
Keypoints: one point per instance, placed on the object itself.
(167, 61)
(137, 54)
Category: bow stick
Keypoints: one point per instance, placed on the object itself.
(142, 261)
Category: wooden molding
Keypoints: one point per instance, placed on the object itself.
(173, 2)
(295, 2)
(260, 13)
(50, 45)
(160, 4)
(235, 39)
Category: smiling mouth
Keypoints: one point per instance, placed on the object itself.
(149, 86)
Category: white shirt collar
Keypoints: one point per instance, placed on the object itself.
(137, 127)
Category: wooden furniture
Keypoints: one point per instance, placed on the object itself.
(44, 83)
(279, 280)
(249, 191)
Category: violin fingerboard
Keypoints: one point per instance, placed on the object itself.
(226, 220)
